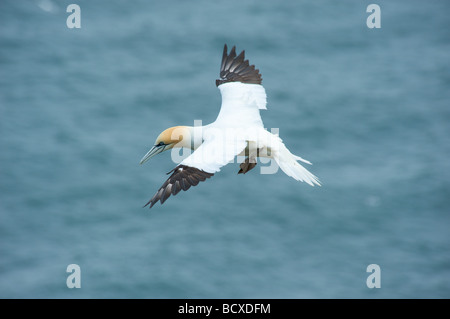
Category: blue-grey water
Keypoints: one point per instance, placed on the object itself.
(80, 107)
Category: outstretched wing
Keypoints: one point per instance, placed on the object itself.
(182, 178)
(242, 93)
(200, 165)
(237, 69)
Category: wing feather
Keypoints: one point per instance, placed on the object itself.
(181, 178)
(198, 167)
(233, 68)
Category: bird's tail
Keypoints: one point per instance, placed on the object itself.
(288, 164)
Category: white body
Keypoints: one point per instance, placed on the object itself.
(239, 130)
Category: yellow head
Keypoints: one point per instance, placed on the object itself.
(172, 137)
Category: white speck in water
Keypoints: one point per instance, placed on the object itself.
(47, 6)
(372, 201)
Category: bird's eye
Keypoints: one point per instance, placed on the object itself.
(160, 144)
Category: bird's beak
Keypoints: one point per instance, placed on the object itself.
(153, 151)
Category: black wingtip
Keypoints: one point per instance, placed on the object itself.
(150, 201)
(182, 178)
(236, 69)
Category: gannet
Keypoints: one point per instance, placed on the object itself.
(237, 131)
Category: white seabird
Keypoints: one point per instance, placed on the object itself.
(237, 131)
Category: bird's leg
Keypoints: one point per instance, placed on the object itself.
(246, 166)
(249, 163)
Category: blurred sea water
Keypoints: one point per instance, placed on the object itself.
(80, 107)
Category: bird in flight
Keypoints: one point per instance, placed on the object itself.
(237, 131)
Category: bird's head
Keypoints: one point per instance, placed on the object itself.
(168, 139)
